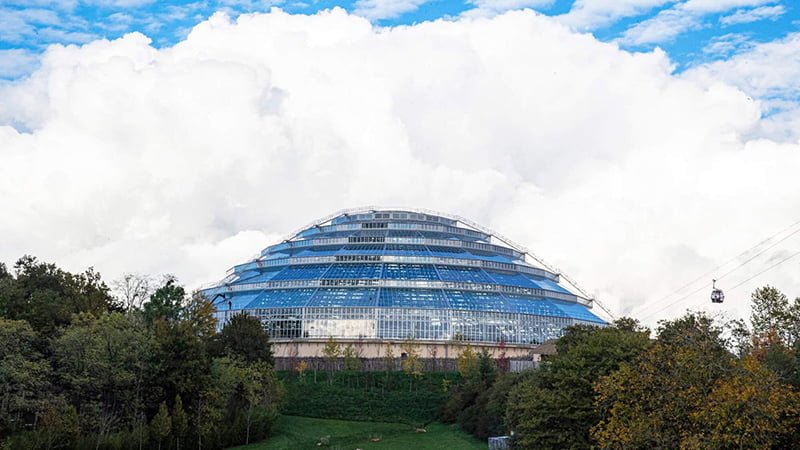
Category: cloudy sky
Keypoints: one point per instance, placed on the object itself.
(637, 145)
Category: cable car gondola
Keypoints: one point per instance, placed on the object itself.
(717, 296)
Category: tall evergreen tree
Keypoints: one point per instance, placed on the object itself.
(166, 303)
(244, 336)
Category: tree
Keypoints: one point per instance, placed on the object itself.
(132, 290)
(244, 336)
(166, 303)
(48, 297)
(555, 407)
(199, 312)
(412, 366)
(24, 376)
(239, 404)
(750, 408)
(180, 421)
(655, 400)
(467, 362)
(331, 352)
(388, 359)
(503, 363)
(183, 362)
(772, 312)
(301, 368)
(261, 394)
(775, 339)
(161, 424)
(351, 361)
(102, 365)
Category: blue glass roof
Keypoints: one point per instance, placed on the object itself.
(344, 297)
(577, 311)
(398, 259)
(412, 298)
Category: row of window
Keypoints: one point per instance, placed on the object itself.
(405, 298)
(396, 271)
(420, 324)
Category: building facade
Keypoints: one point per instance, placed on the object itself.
(374, 277)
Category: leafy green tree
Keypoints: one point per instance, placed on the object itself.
(166, 303)
(180, 421)
(48, 297)
(654, 401)
(555, 406)
(102, 365)
(260, 393)
(240, 403)
(244, 336)
(24, 376)
(199, 312)
(57, 427)
(469, 404)
(331, 352)
(487, 367)
(772, 312)
(750, 408)
(467, 362)
(182, 362)
(161, 425)
(412, 365)
(351, 361)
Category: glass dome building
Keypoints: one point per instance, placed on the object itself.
(389, 275)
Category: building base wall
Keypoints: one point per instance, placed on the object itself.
(369, 349)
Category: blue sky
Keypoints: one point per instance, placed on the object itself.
(690, 31)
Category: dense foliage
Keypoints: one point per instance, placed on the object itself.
(699, 384)
(144, 367)
(80, 368)
(372, 396)
(688, 390)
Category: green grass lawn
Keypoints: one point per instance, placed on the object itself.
(304, 433)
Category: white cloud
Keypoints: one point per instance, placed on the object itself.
(664, 27)
(686, 16)
(594, 14)
(117, 3)
(490, 8)
(717, 6)
(385, 9)
(249, 5)
(17, 25)
(753, 15)
(56, 4)
(727, 44)
(188, 159)
(17, 62)
(768, 70)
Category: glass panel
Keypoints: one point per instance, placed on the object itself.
(463, 274)
(344, 297)
(412, 298)
(301, 272)
(354, 271)
(409, 272)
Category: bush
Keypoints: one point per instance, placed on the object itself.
(369, 396)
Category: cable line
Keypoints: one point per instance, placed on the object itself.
(704, 275)
(727, 273)
(762, 272)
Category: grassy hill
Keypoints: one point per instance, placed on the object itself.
(293, 432)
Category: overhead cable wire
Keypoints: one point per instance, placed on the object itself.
(705, 286)
(761, 273)
(706, 274)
